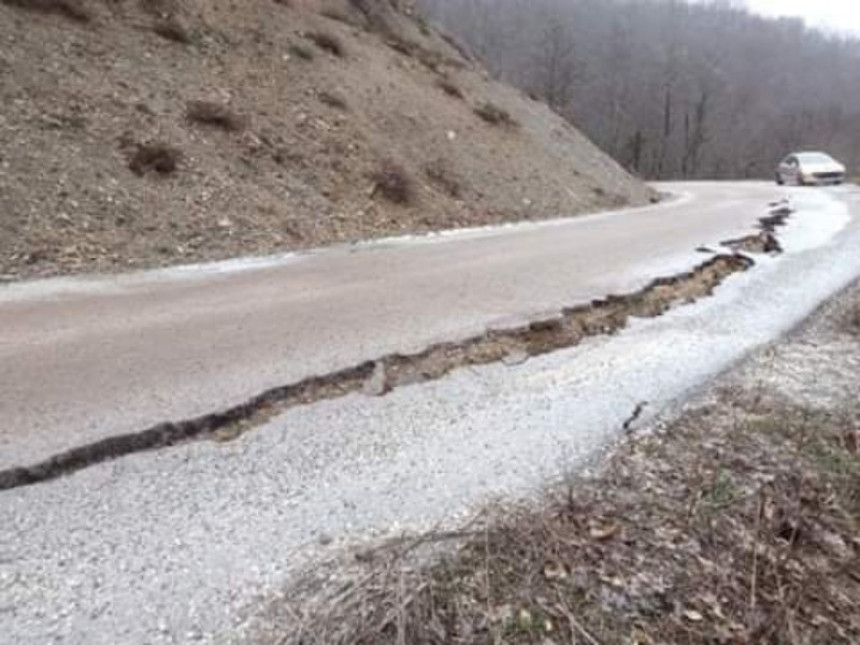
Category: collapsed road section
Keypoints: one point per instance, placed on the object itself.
(377, 377)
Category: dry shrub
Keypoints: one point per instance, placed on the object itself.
(398, 44)
(457, 46)
(72, 9)
(300, 51)
(161, 8)
(494, 115)
(156, 157)
(172, 29)
(449, 88)
(327, 42)
(393, 183)
(439, 174)
(333, 100)
(717, 532)
(214, 114)
(852, 320)
(339, 16)
(374, 14)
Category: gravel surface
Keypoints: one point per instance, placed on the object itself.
(182, 545)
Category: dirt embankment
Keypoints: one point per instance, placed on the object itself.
(138, 133)
(737, 522)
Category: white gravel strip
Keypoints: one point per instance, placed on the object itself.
(176, 546)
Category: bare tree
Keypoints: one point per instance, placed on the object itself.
(673, 88)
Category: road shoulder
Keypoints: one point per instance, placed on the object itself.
(734, 521)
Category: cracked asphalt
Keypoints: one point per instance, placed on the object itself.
(86, 359)
(186, 544)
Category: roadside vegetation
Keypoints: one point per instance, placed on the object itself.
(739, 523)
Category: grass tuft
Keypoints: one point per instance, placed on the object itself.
(327, 42)
(439, 174)
(300, 51)
(154, 157)
(170, 28)
(393, 183)
(333, 100)
(73, 9)
(450, 88)
(215, 115)
(494, 115)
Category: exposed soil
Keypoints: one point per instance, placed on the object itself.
(736, 522)
(139, 133)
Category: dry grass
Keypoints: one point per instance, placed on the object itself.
(392, 182)
(441, 176)
(333, 100)
(300, 51)
(327, 42)
(170, 28)
(738, 525)
(215, 115)
(339, 16)
(160, 8)
(73, 9)
(449, 88)
(154, 157)
(494, 115)
(852, 320)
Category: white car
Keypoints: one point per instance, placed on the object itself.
(810, 169)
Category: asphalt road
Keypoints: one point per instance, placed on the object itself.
(197, 543)
(88, 358)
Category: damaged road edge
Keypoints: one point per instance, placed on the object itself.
(378, 377)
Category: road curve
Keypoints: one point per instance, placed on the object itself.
(84, 359)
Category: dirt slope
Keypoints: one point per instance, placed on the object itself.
(138, 133)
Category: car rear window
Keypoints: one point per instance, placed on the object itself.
(815, 157)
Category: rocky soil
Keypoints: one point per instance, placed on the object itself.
(140, 133)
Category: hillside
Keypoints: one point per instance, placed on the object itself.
(139, 133)
(675, 90)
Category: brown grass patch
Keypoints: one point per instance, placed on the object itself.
(852, 320)
(72, 9)
(494, 115)
(339, 16)
(170, 28)
(327, 42)
(333, 100)
(160, 8)
(215, 115)
(440, 175)
(300, 51)
(154, 157)
(450, 88)
(393, 183)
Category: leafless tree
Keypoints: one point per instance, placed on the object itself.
(670, 88)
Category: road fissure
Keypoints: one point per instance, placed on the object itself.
(378, 377)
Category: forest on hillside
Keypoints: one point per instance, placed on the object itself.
(673, 89)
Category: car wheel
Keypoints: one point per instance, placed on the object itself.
(779, 180)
